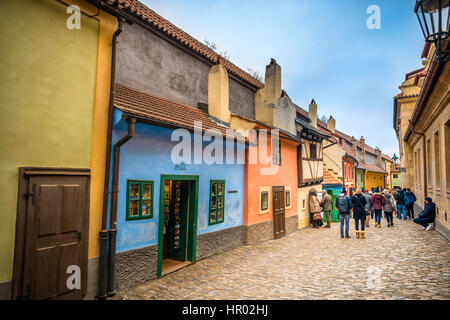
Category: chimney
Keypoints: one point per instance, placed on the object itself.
(267, 98)
(354, 148)
(313, 113)
(378, 152)
(331, 124)
(363, 151)
(218, 92)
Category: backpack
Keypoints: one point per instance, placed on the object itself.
(342, 204)
(407, 200)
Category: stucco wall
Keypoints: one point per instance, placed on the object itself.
(146, 157)
(303, 205)
(151, 64)
(285, 176)
(47, 94)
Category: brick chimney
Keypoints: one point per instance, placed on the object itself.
(218, 93)
(331, 124)
(362, 143)
(267, 98)
(313, 113)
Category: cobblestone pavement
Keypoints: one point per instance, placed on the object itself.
(318, 264)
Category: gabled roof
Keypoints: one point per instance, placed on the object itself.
(372, 167)
(147, 15)
(162, 111)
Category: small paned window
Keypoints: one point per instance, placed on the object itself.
(216, 202)
(264, 200)
(139, 200)
(288, 198)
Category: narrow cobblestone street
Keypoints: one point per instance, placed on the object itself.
(317, 264)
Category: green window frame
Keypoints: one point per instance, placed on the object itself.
(139, 199)
(216, 202)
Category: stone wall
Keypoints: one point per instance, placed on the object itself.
(291, 224)
(134, 267)
(219, 241)
(257, 232)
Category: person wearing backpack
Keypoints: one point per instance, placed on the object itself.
(401, 208)
(344, 205)
(388, 208)
(369, 206)
(410, 207)
(359, 213)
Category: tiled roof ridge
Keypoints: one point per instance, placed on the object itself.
(150, 16)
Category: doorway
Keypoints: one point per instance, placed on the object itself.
(52, 234)
(279, 219)
(177, 226)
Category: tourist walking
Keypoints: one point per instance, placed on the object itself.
(359, 213)
(327, 206)
(410, 207)
(314, 208)
(389, 208)
(401, 208)
(378, 202)
(344, 205)
(369, 207)
(427, 215)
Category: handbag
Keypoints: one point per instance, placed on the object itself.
(317, 216)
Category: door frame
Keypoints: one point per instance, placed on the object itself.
(192, 221)
(20, 238)
(273, 209)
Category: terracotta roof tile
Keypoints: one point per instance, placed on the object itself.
(151, 17)
(372, 167)
(329, 178)
(153, 108)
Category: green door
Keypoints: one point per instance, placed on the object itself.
(334, 212)
(178, 225)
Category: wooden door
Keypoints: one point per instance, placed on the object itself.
(56, 239)
(279, 220)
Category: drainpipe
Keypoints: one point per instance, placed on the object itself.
(115, 191)
(103, 234)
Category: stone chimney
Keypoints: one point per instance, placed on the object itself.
(331, 124)
(362, 143)
(218, 92)
(267, 98)
(378, 152)
(313, 113)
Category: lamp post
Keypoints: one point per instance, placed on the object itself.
(434, 20)
(395, 158)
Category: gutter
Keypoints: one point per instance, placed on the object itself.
(114, 198)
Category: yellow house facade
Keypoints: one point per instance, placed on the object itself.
(54, 96)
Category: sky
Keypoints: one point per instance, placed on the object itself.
(324, 47)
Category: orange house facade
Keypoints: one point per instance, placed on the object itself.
(270, 190)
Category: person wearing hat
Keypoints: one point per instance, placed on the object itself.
(314, 208)
(359, 213)
(327, 205)
(427, 215)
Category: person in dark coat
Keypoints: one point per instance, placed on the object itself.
(427, 215)
(378, 203)
(401, 208)
(359, 213)
(410, 207)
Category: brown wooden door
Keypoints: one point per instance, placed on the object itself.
(279, 221)
(56, 224)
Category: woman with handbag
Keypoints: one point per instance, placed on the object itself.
(315, 209)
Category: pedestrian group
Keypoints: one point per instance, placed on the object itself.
(366, 205)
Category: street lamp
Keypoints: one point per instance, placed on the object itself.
(434, 19)
(395, 158)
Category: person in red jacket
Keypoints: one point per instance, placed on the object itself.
(378, 203)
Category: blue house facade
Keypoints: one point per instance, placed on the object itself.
(152, 190)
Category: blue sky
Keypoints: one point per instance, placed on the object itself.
(324, 48)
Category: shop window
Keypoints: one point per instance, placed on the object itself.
(276, 152)
(139, 200)
(447, 155)
(395, 176)
(428, 164)
(216, 201)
